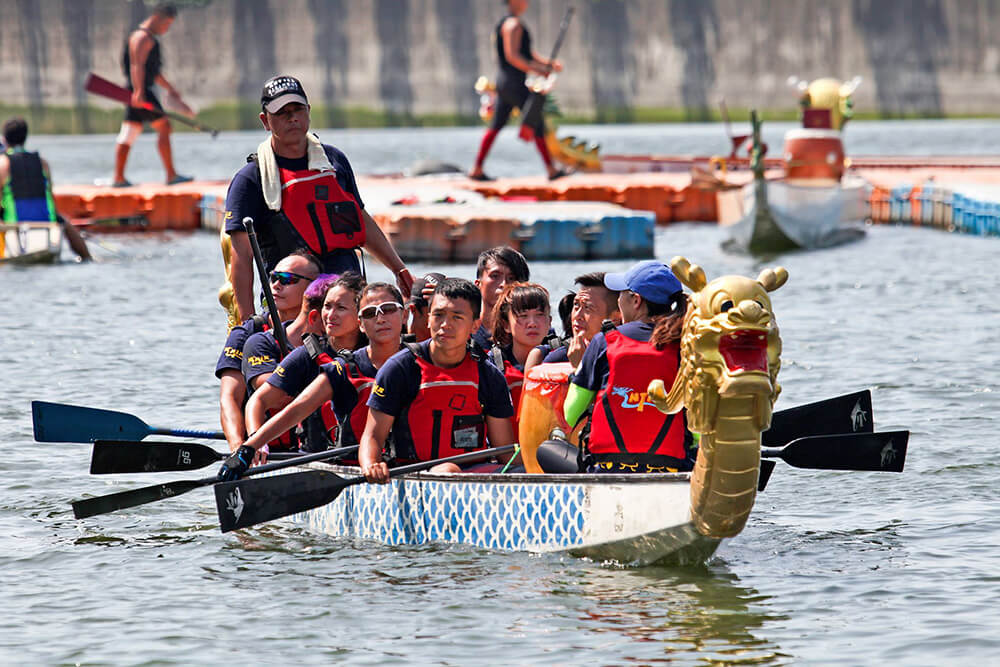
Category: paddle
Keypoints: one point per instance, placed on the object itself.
(128, 456)
(885, 452)
(532, 111)
(844, 414)
(265, 283)
(59, 422)
(101, 86)
(246, 503)
(148, 494)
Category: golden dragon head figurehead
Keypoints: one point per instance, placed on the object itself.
(830, 94)
(730, 347)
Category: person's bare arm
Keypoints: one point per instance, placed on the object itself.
(4, 169)
(535, 357)
(377, 429)
(266, 398)
(512, 33)
(241, 267)
(139, 46)
(232, 391)
(311, 399)
(378, 245)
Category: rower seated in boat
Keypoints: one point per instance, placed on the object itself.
(437, 398)
(628, 433)
(340, 391)
(522, 322)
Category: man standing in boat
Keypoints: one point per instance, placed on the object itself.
(299, 193)
(27, 187)
(516, 60)
(142, 64)
(438, 398)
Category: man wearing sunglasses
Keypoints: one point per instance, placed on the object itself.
(299, 192)
(289, 284)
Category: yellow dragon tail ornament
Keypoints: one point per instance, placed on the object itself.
(727, 381)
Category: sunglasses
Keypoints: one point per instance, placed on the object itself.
(287, 277)
(387, 308)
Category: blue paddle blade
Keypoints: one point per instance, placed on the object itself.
(58, 422)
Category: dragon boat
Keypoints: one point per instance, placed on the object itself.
(30, 243)
(727, 382)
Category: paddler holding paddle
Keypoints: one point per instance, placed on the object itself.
(516, 60)
(299, 193)
(142, 63)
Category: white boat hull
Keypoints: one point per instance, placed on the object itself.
(776, 215)
(630, 519)
(30, 242)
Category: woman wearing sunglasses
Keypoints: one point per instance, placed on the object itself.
(344, 382)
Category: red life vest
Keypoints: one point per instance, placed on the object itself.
(446, 417)
(359, 415)
(321, 212)
(514, 377)
(624, 420)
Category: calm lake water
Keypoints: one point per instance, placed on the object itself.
(833, 568)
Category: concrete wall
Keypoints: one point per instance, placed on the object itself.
(413, 57)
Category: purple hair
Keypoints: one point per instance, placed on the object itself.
(315, 294)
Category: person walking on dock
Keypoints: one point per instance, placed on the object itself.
(300, 193)
(26, 187)
(517, 60)
(142, 64)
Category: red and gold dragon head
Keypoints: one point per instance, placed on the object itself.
(730, 347)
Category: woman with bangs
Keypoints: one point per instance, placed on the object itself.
(522, 320)
(337, 318)
(341, 388)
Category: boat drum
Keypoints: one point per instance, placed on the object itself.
(813, 155)
(541, 410)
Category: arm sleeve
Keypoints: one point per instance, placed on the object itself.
(577, 401)
(260, 356)
(244, 198)
(395, 385)
(493, 392)
(292, 375)
(345, 396)
(593, 370)
(345, 174)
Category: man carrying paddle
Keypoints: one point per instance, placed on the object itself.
(299, 193)
(26, 187)
(437, 398)
(142, 64)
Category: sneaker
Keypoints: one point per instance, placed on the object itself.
(121, 184)
(558, 173)
(480, 177)
(179, 179)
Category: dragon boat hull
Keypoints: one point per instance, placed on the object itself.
(629, 519)
(30, 243)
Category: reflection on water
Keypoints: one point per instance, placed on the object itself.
(698, 612)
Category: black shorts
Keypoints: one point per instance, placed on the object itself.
(136, 115)
(511, 94)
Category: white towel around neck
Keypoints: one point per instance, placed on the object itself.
(270, 177)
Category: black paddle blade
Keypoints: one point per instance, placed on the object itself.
(766, 468)
(851, 413)
(123, 456)
(148, 494)
(247, 502)
(883, 452)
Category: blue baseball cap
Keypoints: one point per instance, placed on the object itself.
(652, 280)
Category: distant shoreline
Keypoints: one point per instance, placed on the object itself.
(97, 120)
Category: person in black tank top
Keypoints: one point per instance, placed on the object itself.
(142, 64)
(516, 60)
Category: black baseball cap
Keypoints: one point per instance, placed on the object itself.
(281, 90)
(417, 291)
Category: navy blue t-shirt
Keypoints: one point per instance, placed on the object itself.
(231, 357)
(398, 381)
(558, 355)
(261, 354)
(483, 338)
(246, 198)
(594, 370)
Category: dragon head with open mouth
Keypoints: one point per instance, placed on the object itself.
(729, 347)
